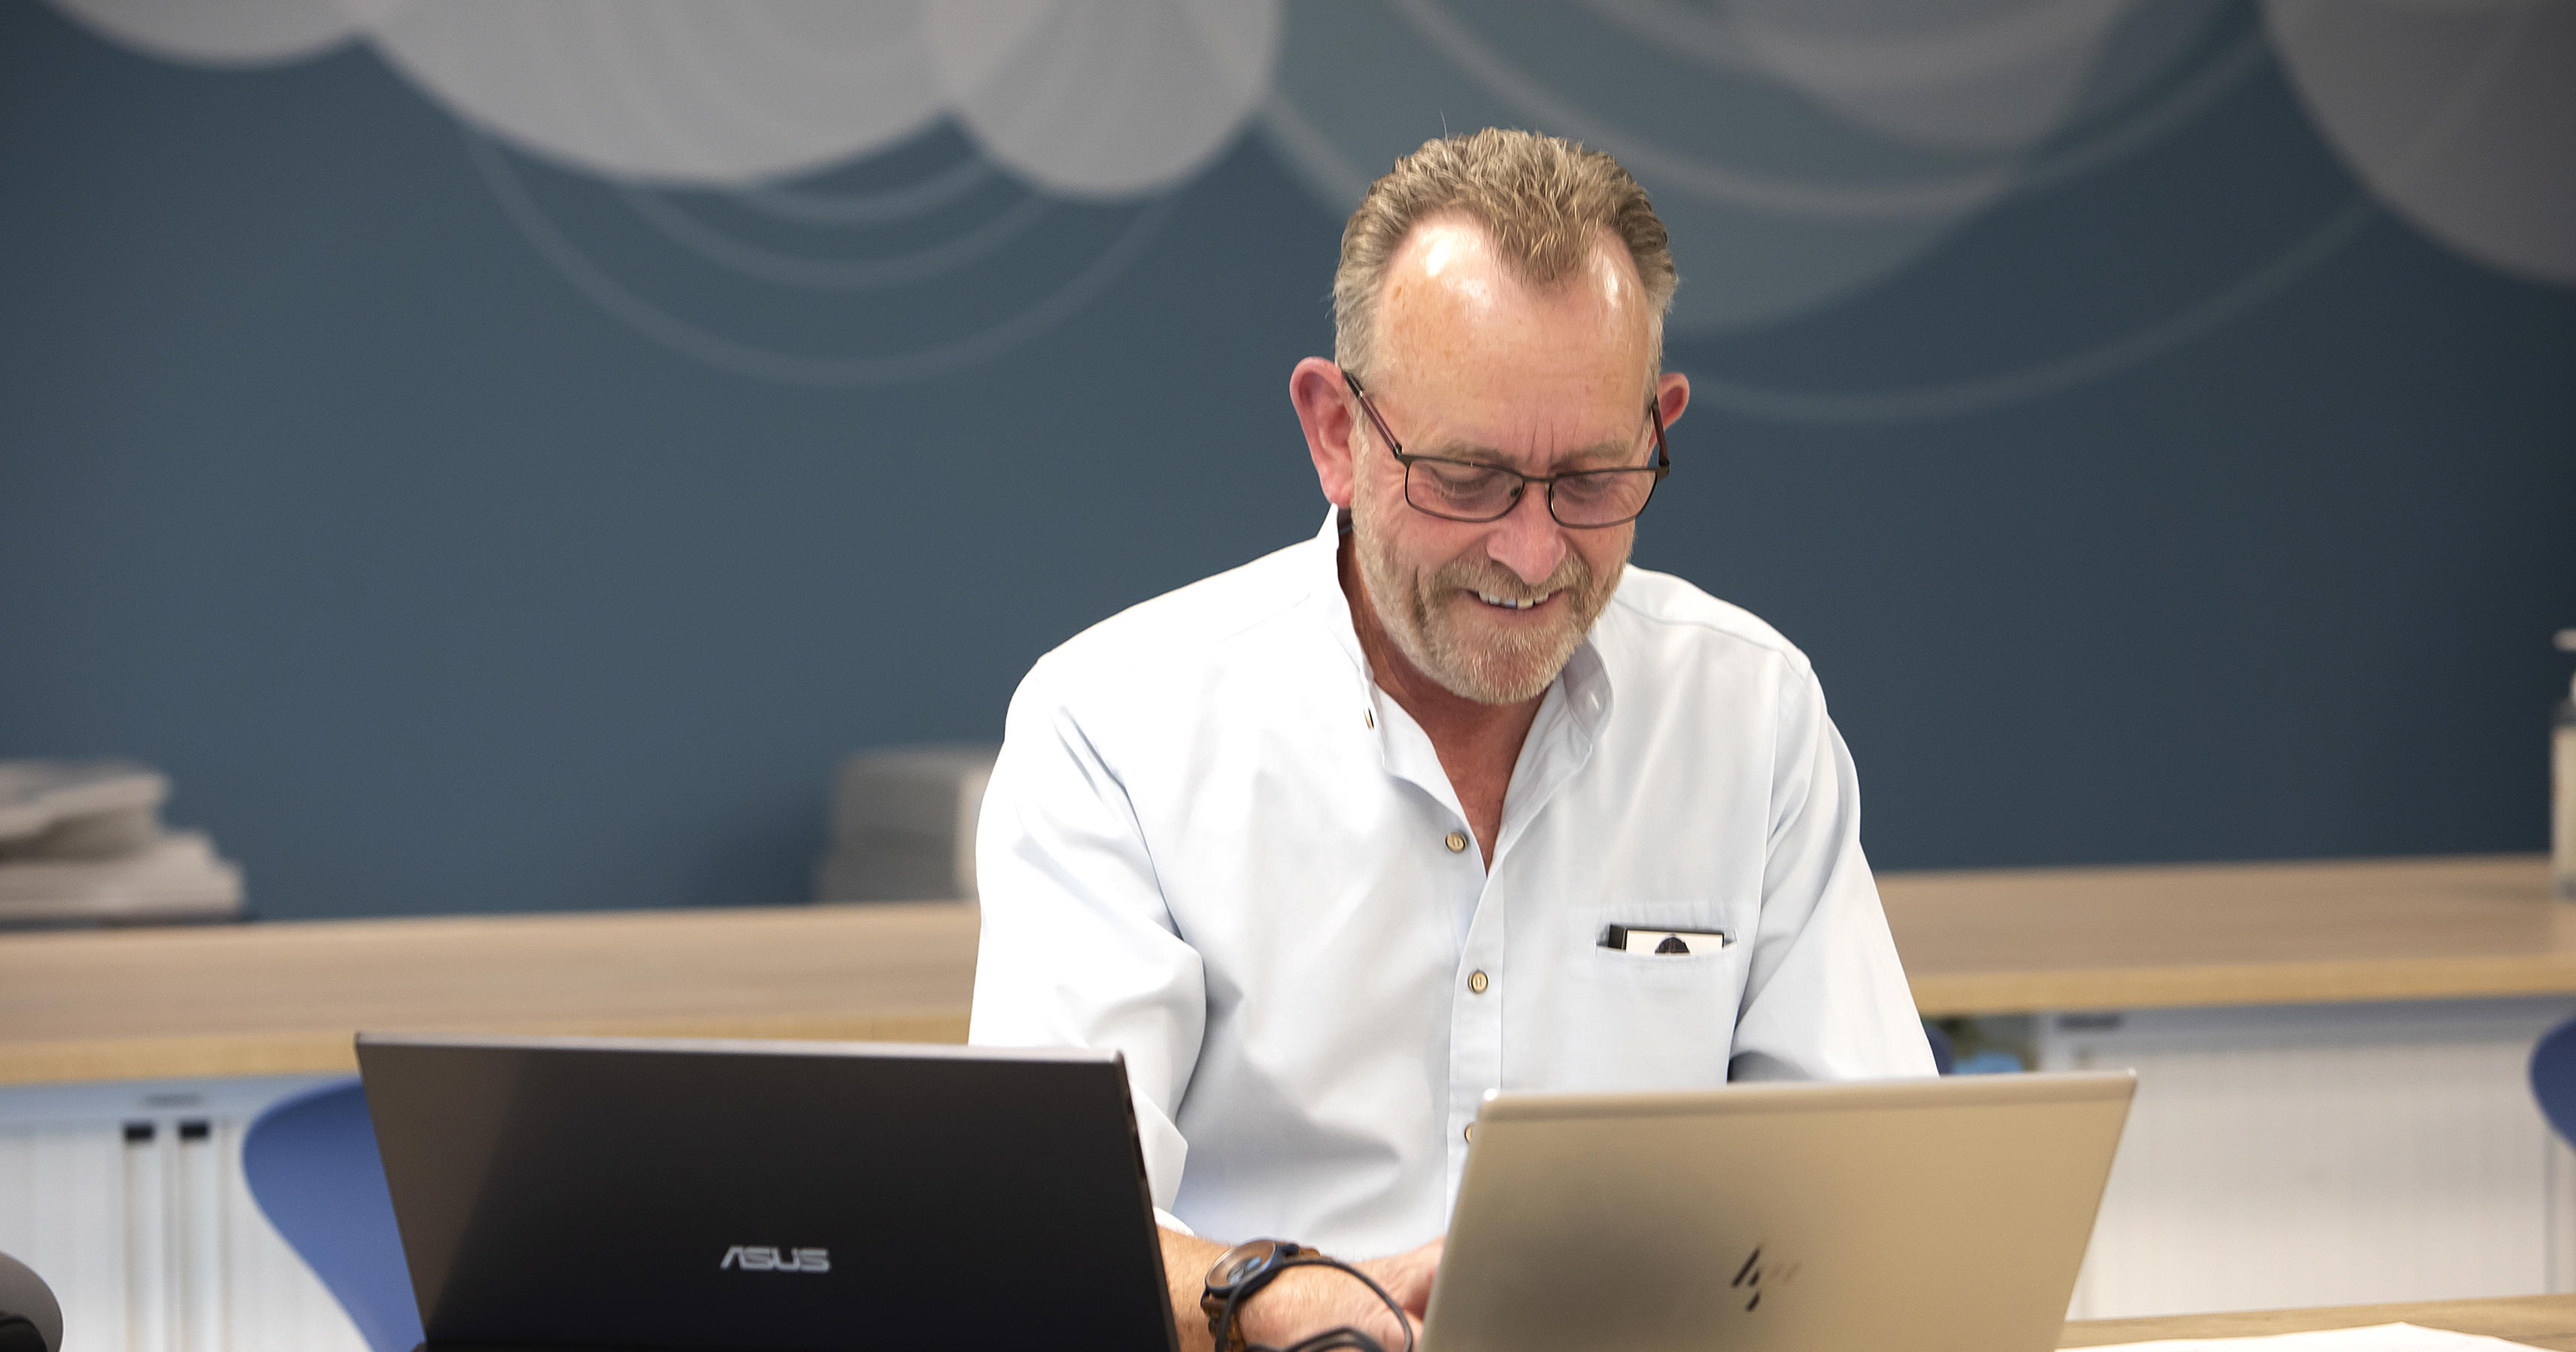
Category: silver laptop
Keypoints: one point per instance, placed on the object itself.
(1922, 1215)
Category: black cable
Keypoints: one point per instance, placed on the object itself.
(1342, 1337)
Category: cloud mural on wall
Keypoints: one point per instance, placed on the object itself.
(2461, 116)
(667, 92)
(1827, 143)
(1103, 98)
(230, 33)
(955, 260)
(1082, 97)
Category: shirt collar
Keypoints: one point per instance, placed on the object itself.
(1324, 573)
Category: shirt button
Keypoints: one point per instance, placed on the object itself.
(1457, 842)
(1476, 982)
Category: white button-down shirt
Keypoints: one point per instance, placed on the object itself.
(1214, 845)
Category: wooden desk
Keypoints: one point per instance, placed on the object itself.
(282, 998)
(272, 998)
(2026, 940)
(2536, 1321)
(275, 999)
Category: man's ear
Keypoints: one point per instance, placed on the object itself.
(1672, 395)
(1324, 411)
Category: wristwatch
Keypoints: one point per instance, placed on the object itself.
(1236, 1274)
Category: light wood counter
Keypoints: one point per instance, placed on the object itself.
(2534, 1321)
(282, 998)
(2025, 940)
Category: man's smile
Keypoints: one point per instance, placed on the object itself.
(1516, 602)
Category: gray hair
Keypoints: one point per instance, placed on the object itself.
(1542, 198)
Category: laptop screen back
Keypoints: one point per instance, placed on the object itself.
(1931, 1215)
(773, 1197)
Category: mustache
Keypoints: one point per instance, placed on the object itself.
(1572, 575)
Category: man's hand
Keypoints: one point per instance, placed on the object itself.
(1303, 1300)
(1407, 1277)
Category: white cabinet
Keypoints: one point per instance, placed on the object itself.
(2324, 1155)
(128, 1199)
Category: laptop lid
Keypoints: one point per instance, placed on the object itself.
(579, 1193)
(1919, 1214)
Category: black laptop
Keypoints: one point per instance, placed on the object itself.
(600, 1193)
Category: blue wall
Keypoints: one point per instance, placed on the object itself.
(437, 586)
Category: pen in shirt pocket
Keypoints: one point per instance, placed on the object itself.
(1668, 942)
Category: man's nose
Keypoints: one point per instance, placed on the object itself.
(1528, 540)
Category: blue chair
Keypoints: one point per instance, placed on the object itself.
(2553, 1078)
(312, 1166)
(1985, 1061)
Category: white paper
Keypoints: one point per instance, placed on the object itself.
(2376, 1338)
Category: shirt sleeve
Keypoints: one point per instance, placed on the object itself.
(1078, 948)
(1825, 997)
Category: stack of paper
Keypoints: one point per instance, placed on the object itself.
(903, 824)
(2376, 1338)
(81, 843)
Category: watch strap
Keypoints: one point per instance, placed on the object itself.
(1229, 1332)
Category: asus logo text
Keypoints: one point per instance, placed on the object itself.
(762, 1258)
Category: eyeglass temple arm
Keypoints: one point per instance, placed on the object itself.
(1360, 393)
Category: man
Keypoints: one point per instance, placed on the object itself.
(1329, 845)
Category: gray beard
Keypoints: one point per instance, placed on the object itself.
(1489, 669)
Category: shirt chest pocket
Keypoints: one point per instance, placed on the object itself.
(1639, 1019)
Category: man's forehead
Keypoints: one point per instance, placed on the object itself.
(1461, 325)
(1453, 260)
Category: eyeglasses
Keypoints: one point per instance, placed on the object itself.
(1470, 490)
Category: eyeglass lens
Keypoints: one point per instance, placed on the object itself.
(1479, 493)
